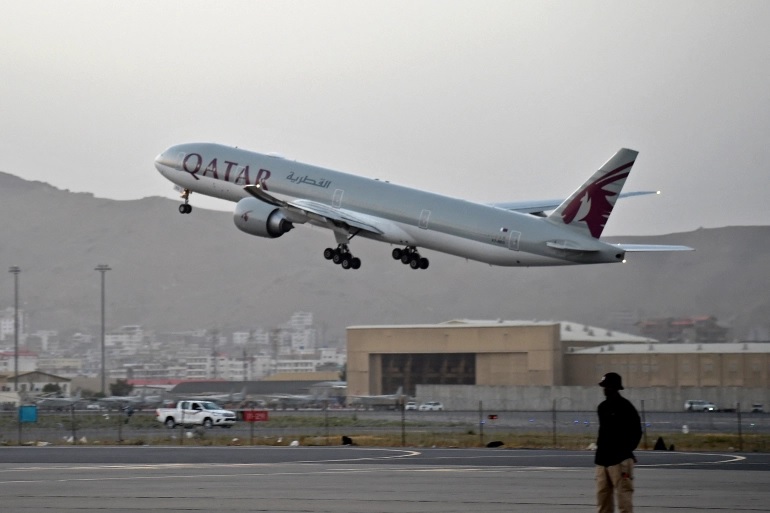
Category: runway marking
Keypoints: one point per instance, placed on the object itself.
(730, 459)
(157, 470)
(404, 454)
(375, 470)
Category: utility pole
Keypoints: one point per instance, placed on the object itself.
(103, 268)
(15, 271)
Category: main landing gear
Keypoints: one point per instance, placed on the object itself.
(409, 255)
(341, 256)
(185, 208)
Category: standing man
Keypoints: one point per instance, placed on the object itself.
(620, 430)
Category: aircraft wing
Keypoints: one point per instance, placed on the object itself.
(314, 211)
(539, 207)
(641, 248)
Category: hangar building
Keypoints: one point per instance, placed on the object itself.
(468, 352)
(541, 354)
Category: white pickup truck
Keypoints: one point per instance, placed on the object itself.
(195, 413)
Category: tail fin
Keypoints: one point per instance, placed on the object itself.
(589, 208)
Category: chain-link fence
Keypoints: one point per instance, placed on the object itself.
(562, 429)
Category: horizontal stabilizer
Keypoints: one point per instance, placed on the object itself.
(641, 248)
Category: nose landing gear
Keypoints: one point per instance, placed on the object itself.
(185, 208)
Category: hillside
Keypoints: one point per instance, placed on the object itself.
(175, 272)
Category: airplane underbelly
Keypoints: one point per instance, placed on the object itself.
(475, 250)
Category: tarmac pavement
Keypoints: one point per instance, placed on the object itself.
(363, 480)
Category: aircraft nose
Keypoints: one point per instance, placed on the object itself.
(164, 162)
(159, 160)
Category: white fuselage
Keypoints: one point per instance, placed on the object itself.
(402, 215)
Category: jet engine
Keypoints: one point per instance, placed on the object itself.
(256, 217)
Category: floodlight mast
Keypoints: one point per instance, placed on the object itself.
(103, 268)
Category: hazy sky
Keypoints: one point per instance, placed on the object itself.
(490, 101)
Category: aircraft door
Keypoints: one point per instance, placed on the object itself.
(337, 200)
(513, 240)
(424, 217)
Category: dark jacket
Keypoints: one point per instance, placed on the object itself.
(620, 430)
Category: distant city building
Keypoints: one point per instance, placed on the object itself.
(241, 338)
(27, 362)
(42, 341)
(700, 330)
(125, 341)
(7, 323)
(137, 354)
(67, 367)
(294, 366)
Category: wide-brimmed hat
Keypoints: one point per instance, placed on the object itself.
(612, 380)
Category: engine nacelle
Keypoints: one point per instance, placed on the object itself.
(256, 217)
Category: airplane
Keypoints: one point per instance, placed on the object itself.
(121, 401)
(295, 401)
(231, 398)
(378, 402)
(273, 194)
(53, 401)
(139, 401)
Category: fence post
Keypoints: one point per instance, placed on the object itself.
(481, 424)
(553, 422)
(644, 426)
(740, 431)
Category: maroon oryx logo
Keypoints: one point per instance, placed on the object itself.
(594, 203)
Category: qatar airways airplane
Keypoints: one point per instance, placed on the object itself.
(273, 194)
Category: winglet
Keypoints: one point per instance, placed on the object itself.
(589, 208)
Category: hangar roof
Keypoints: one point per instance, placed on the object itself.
(729, 348)
(570, 331)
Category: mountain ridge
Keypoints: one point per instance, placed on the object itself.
(172, 273)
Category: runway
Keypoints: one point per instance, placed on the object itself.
(363, 480)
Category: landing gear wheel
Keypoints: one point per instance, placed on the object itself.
(185, 208)
(342, 256)
(411, 257)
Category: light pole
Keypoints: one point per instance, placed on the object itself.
(15, 270)
(103, 268)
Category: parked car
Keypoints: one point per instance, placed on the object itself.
(699, 405)
(411, 405)
(195, 413)
(431, 406)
